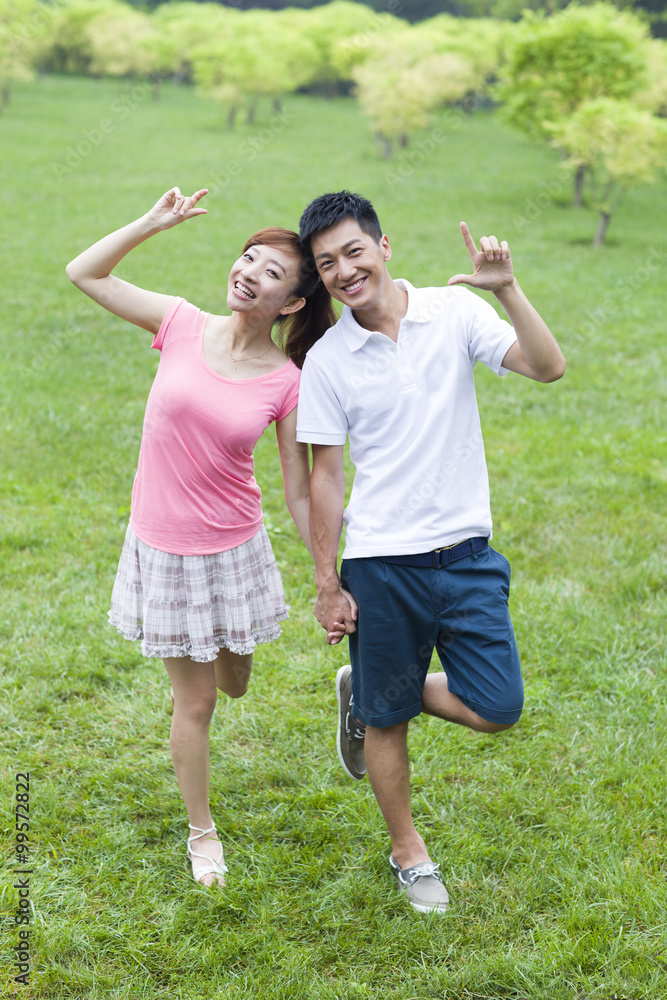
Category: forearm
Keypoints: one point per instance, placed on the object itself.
(327, 502)
(538, 345)
(99, 260)
(299, 509)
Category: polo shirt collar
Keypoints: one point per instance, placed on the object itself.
(355, 336)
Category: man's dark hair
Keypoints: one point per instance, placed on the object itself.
(330, 209)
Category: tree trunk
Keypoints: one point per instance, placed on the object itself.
(387, 146)
(250, 115)
(4, 96)
(403, 141)
(579, 186)
(277, 105)
(231, 116)
(602, 229)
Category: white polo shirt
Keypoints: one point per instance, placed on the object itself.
(410, 411)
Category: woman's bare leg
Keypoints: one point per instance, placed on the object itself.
(195, 695)
(232, 672)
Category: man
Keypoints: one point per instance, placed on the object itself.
(395, 374)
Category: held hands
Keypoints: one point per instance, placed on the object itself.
(174, 207)
(336, 611)
(492, 264)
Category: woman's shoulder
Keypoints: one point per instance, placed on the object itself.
(181, 319)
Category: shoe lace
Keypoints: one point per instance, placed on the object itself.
(355, 730)
(417, 871)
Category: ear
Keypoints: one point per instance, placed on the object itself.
(386, 249)
(292, 306)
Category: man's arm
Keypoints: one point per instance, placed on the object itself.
(335, 609)
(536, 353)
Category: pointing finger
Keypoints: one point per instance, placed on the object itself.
(467, 239)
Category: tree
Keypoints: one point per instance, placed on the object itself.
(405, 80)
(16, 45)
(653, 97)
(182, 28)
(352, 50)
(122, 43)
(258, 54)
(480, 41)
(334, 28)
(70, 46)
(555, 64)
(619, 144)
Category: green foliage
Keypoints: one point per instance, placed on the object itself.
(409, 75)
(408, 72)
(254, 54)
(342, 33)
(653, 95)
(369, 30)
(22, 28)
(71, 46)
(123, 43)
(556, 63)
(479, 41)
(181, 28)
(618, 143)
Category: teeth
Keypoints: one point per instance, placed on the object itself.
(353, 288)
(244, 290)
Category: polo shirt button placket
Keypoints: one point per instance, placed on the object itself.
(405, 371)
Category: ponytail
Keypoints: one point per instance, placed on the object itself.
(304, 328)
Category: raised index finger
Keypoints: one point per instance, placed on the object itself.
(467, 239)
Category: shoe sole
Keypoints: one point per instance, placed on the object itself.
(428, 909)
(355, 777)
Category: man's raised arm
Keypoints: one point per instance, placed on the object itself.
(536, 353)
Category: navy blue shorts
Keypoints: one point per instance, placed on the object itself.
(405, 612)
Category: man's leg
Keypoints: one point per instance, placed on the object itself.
(389, 773)
(438, 700)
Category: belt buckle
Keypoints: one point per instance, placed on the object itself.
(445, 548)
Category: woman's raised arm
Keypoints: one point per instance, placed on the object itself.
(91, 270)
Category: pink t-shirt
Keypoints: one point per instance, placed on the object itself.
(194, 492)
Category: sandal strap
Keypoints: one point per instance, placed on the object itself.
(202, 833)
(213, 867)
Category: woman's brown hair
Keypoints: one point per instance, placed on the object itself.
(299, 330)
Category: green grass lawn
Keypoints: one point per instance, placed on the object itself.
(551, 838)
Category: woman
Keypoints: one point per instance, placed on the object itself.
(197, 581)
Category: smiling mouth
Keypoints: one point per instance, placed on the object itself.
(243, 290)
(351, 289)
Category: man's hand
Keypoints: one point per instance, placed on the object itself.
(336, 611)
(492, 263)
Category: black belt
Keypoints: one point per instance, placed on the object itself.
(440, 557)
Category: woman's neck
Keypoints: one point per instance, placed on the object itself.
(247, 334)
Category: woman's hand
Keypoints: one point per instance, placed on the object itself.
(174, 207)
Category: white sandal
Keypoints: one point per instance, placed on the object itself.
(217, 868)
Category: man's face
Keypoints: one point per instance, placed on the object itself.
(353, 267)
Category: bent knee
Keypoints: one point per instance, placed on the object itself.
(495, 725)
(234, 690)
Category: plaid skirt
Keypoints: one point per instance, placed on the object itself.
(196, 605)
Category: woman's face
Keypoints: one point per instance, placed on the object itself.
(262, 281)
